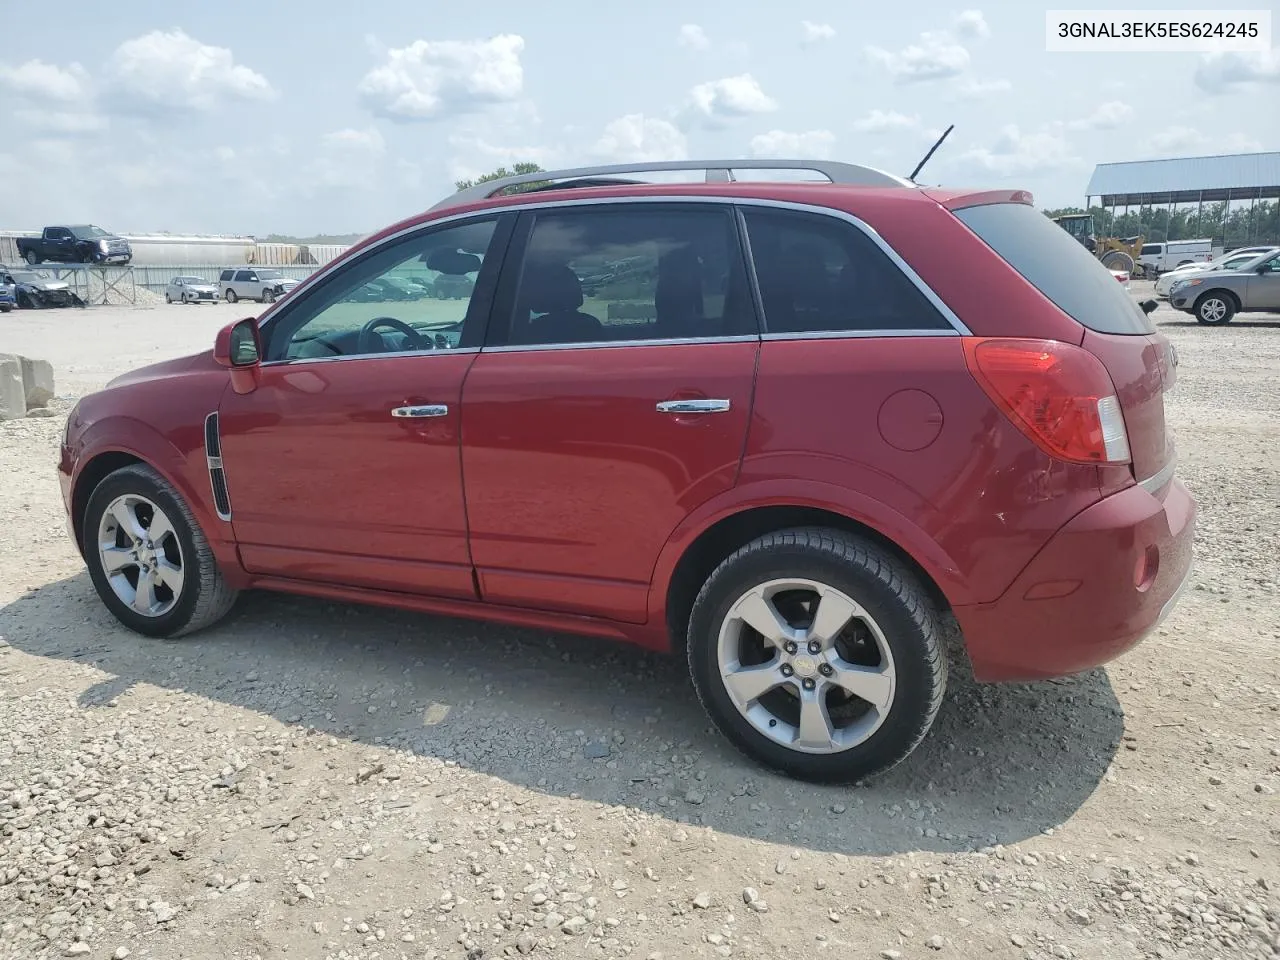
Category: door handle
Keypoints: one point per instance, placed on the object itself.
(693, 406)
(426, 410)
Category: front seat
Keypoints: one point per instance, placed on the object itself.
(554, 291)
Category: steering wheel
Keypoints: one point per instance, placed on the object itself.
(416, 341)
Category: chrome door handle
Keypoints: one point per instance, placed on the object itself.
(693, 406)
(427, 410)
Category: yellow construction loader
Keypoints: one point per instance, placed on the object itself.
(1114, 252)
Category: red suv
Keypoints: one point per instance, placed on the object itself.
(790, 430)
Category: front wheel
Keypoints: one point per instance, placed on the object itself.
(817, 654)
(31, 257)
(231, 295)
(1215, 309)
(148, 558)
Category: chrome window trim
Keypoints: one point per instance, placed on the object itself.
(295, 361)
(958, 326)
(606, 344)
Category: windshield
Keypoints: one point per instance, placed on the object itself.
(23, 277)
(88, 233)
(270, 275)
(188, 280)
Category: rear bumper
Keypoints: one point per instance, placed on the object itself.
(1104, 581)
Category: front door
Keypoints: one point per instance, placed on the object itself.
(611, 400)
(343, 465)
(1264, 287)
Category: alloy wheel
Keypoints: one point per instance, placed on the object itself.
(141, 555)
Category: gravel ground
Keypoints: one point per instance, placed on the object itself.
(316, 780)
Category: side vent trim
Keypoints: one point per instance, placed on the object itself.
(217, 476)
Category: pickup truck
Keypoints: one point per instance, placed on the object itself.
(84, 244)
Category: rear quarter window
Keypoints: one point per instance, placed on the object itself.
(1057, 265)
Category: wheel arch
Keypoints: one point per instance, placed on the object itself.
(1223, 292)
(89, 476)
(694, 552)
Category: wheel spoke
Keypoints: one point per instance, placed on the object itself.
(115, 559)
(763, 617)
(159, 529)
(144, 598)
(748, 684)
(170, 575)
(815, 730)
(832, 616)
(872, 684)
(126, 515)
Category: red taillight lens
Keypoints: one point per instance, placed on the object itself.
(1058, 394)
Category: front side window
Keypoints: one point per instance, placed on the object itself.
(821, 274)
(227, 275)
(411, 295)
(631, 272)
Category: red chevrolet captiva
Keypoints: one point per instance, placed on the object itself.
(790, 431)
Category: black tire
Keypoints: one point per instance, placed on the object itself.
(167, 298)
(885, 588)
(1215, 308)
(31, 257)
(230, 295)
(204, 598)
(268, 296)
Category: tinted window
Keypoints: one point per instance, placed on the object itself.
(820, 274)
(631, 272)
(1057, 266)
(227, 274)
(1148, 249)
(408, 296)
(243, 275)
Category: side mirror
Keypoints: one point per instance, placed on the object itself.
(237, 344)
(1148, 306)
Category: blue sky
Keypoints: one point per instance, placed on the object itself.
(291, 118)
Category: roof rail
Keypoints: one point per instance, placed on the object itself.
(717, 171)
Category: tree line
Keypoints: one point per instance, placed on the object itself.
(1244, 223)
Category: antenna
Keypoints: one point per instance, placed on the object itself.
(920, 165)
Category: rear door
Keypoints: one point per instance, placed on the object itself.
(611, 401)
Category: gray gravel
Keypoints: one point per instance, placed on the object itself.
(318, 780)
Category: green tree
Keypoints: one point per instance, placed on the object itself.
(516, 170)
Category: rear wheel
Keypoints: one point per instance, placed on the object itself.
(1215, 308)
(148, 558)
(817, 654)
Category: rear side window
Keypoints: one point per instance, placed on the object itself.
(243, 275)
(818, 274)
(1058, 266)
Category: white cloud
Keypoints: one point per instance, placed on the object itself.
(972, 25)
(64, 122)
(171, 70)
(817, 32)
(640, 139)
(1178, 139)
(347, 159)
(434, 78)
(368, 140)
(1018, 153)
(1107, 116)
(935, 57)
(476, 156)
(37, 80)
(884, 121)
(693, 36)
(809, 145)
(1222, 72)
(730, 97)
(973, 89)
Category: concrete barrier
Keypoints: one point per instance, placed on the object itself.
(26, 387)
(13, 395)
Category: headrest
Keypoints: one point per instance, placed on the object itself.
(551, 288)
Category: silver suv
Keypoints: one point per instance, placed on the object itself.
(253, 283)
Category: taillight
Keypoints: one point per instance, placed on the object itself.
(1058, 394)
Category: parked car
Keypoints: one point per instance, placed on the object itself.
(80, 244)
(8, 293)
(1156, 258)
(254, 283)
(190, 290)
(807, 445)
(33, 292)
(1228, 261)
(1215, 296)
